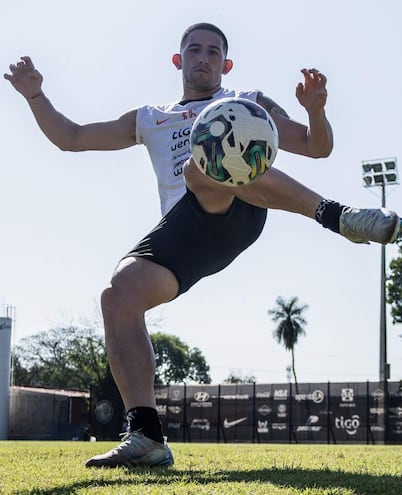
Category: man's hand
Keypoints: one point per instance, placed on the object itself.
(25, 78)
(312, 94)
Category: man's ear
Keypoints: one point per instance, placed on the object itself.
(227, 66)
(176, 59)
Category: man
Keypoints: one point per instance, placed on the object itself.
(211, 221)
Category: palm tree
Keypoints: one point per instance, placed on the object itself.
(291, 322)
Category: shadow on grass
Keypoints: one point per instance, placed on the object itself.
(360, 484)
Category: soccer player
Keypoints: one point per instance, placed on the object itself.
(212, 222)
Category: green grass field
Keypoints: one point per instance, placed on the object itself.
(57, 468)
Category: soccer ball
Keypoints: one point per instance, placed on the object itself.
(233, 141)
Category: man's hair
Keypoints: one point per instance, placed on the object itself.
(208, 27)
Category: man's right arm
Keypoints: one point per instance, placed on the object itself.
(61, 131)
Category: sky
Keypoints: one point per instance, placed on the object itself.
(67, 218)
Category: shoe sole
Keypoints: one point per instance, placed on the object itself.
(397, 230)
(165, 462)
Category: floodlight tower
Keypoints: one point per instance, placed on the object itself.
(382, 173)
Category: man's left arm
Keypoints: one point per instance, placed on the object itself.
(314, 140)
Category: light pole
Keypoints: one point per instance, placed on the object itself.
(382, 173)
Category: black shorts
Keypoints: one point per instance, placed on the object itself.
(192, 243)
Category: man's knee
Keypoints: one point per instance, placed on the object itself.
(138, 285)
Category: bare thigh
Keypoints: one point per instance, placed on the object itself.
(143, 283)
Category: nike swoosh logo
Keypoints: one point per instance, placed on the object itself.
(229, 424)
(159, 122)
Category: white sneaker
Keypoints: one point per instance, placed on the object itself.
(362, 226)
(135, 450)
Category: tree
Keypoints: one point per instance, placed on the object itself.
(291, 322)
(65, 357)
(176, 362)
(238, 377)
(75, 358)
(394, 287)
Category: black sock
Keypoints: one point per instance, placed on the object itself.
(328, 213)
(147, 420)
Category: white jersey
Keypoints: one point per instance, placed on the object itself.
(165, 131)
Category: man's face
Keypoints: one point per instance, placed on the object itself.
(203, 60)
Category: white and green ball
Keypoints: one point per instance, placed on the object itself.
(233, 141)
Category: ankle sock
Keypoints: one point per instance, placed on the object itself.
(328, 213)
(147, 420)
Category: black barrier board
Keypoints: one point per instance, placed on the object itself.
(281, 412)
(376, 412)
(161, 398)
(394, 430)
(237, 412)
(263, 413)
(349, 412)
(202, 413)
(271, 412)
(317, 412)
(309, 412)
(174, 419)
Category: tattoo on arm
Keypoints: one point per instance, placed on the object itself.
(270, 106)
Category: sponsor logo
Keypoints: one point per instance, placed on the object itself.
(188, 114)
(201, 404)
(201, 398)
(176, 394)
(161, 394)
(309, 426)
(200, 424)
(174, 409)
(377, 428)
(174, 426)
(396, 411)
(347, 398)
(263, 395)
(264, 410)
(317, 396)
(282, 411)
(350, 425)
(347, 395)
(104, 411)
(262, 427)
(161, 408)
(280, 394)
(378, 394)
(279, 426)
(180, 139)
(229, 424)
(377, 410)
(159, 122)
(235, 397)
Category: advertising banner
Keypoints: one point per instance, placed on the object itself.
(376, 412)
(309, 413)
(202, 413)
(263, 413)
(237, 412)
(175, 413)
(349, 412)
(394, 430)
(272, 412)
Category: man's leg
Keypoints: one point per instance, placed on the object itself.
(137, 285)
(276, 190)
